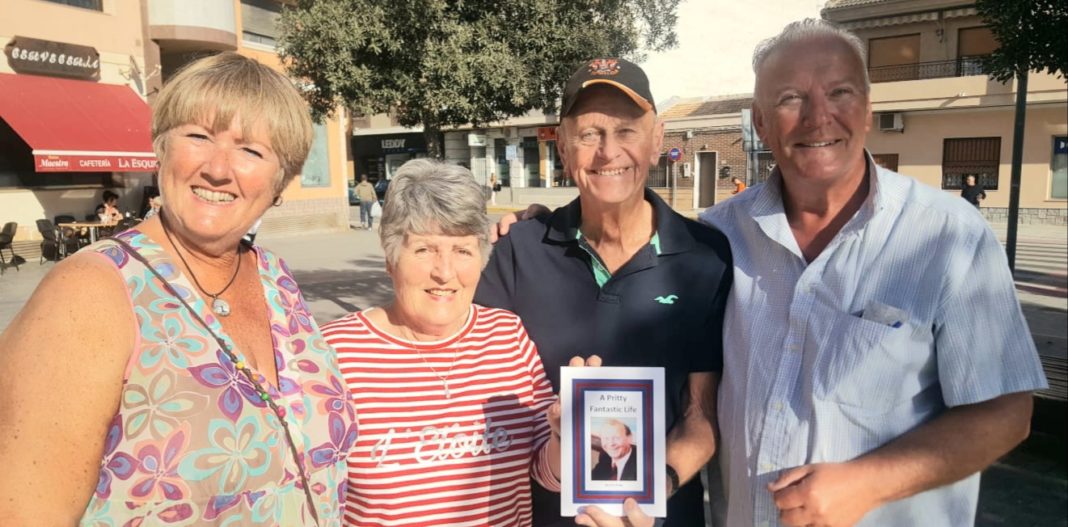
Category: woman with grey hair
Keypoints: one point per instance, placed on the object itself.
(450, 396)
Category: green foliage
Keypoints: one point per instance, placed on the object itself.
(451, 62)
(1031, 34)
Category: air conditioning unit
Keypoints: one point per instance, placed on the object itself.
(892, 122)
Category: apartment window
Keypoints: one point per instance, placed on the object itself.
(316, 172)
(887, 161)
(894, 58)
(1058, 187)
(972, 156)
(974, 43)
(259, 21)
(95, 5)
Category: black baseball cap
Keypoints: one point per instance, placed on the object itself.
(620, 73)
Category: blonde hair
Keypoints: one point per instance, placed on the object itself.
(222, 86)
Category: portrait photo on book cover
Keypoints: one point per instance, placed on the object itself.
(614, 449)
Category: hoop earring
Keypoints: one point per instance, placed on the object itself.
(277, 201)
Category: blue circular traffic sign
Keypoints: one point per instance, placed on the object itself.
(675, 154)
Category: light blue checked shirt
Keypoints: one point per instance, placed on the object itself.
(909, 310)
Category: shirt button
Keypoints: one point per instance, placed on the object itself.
(766, 467)
(777, 407)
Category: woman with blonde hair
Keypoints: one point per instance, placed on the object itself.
(173, 374)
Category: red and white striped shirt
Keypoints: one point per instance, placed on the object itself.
(422, 458)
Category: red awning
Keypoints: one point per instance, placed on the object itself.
(78, 126)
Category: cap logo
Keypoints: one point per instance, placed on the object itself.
(604, 67)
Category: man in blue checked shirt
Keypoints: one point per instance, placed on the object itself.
(866, 381)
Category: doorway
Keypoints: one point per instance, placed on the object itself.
(706, 179)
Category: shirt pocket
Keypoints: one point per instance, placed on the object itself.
(871, 367)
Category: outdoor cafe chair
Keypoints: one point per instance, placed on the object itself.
(7, 236)
(54, 245)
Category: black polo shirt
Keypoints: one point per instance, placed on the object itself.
(664, 308)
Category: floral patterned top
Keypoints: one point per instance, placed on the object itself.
(192, 442)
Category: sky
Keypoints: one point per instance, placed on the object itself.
(716, 41)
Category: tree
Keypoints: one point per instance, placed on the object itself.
(442, 63)
(1030, 36)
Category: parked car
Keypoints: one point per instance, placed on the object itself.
(353, 200)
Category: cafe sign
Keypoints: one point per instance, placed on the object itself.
(546, 133)
(56, 59)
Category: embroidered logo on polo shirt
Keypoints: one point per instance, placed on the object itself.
(670, 299)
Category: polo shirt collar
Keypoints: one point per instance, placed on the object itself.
(671, 232)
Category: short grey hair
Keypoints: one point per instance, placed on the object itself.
(433, 197)
(811, 28)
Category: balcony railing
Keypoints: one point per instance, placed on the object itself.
(961, 67)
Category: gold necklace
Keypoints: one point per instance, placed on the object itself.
(444, 378)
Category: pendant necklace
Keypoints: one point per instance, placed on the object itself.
(218, 306)
(444, 378)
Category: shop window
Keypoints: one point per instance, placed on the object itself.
(560, 179)
(531, 161)
(259, 21)
(887, 161)
(95, 5)
(316, 171)
(1058, 184)
(894, 58)
(972, 156)
(500, 153)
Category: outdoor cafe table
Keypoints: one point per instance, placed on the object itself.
(92, 226)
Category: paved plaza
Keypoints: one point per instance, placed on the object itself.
(342, 272)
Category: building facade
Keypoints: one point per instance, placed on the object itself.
(939, 118)
(85, 72)
(707, 132)
(73, 119)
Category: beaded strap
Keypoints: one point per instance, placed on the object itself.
(240, 365)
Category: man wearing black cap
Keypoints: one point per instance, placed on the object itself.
(618, 274)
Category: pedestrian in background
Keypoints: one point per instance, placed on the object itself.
(365, 192)
(154, 204)
(108, 210)
(494, 187)
(972, 191)
(739, 185)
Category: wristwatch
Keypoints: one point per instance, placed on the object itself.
(673, 477)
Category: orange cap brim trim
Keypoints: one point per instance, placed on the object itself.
(638, 99)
